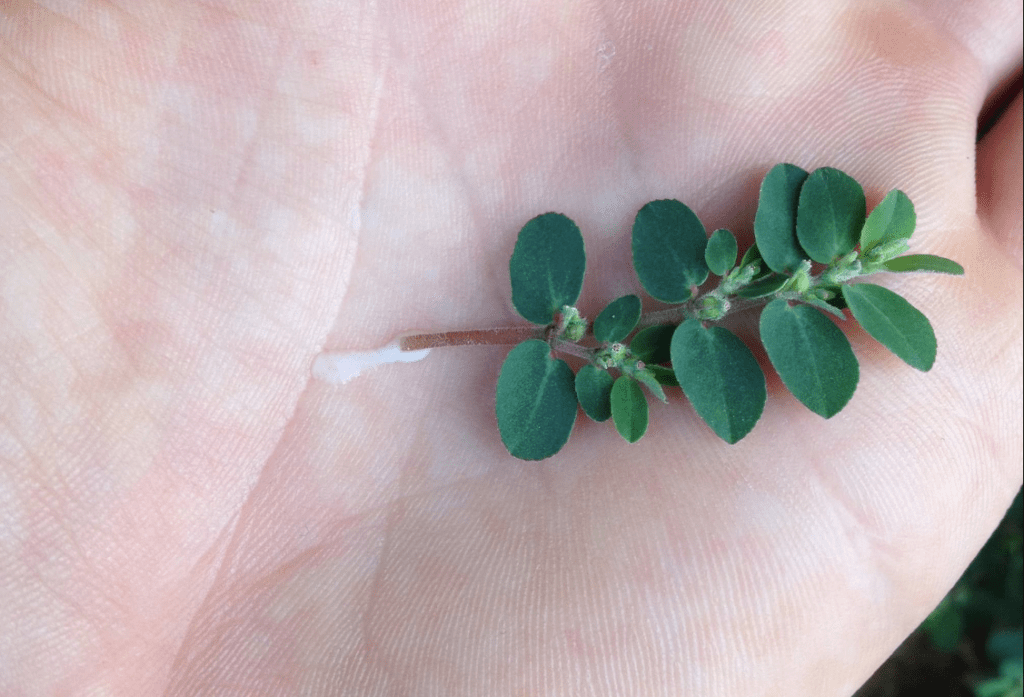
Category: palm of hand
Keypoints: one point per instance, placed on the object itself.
(192, 514)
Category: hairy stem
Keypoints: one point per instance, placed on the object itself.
(507, 336)
(499, 336)
(572, 349)
(688, 310)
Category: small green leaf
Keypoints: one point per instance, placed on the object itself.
(881, 253)
(547, 267)
(776, 218)
(924, 262)
(812, 356)
(720, 377)
(629, 408)
(618, 319)
(535, 401)
(766, 286)
(892, 219)
(594, 390)
(720, 254)
(893, 322)
(651, 345)
(830, 215)
(668, 250)
(648, 379)
(752, 256)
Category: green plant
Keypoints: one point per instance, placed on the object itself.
(812, 238)
(971, 643)
(984, 612)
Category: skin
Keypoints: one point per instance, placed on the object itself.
(198, 198)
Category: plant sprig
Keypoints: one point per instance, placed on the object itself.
(812, 239)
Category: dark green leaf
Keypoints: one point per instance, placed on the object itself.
(776, 218)
(535, 401)
(666, 377)
(893, 322)
(924, 262)
(547, 267)
(594, 390)
(892, 219)
(720, 377)
(812, 356)
(752, 255)
(830, 215)
(618, 319)
(651, 345)
(766, 286)
(720, 254)
(668, 250)
(629, 408)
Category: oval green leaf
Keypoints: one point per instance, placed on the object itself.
(629, 408)
(547, 267)
(830, 214)
(618, 319)
(924, 262)
(775, 220)
(720, 377)
(893, 322)
(720, 254)
(892, 219)
(668, 250)
(812, 356)
(652, 344)
(535, 401)
(594, 391)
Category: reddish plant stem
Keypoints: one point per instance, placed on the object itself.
(499, 336)
(573, 349)
(506, 336)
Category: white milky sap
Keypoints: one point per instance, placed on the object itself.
(339, 368)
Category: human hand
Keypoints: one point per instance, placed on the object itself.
(197, 198)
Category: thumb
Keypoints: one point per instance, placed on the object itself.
(999, 184)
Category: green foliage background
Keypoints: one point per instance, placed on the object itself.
(971, 644)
